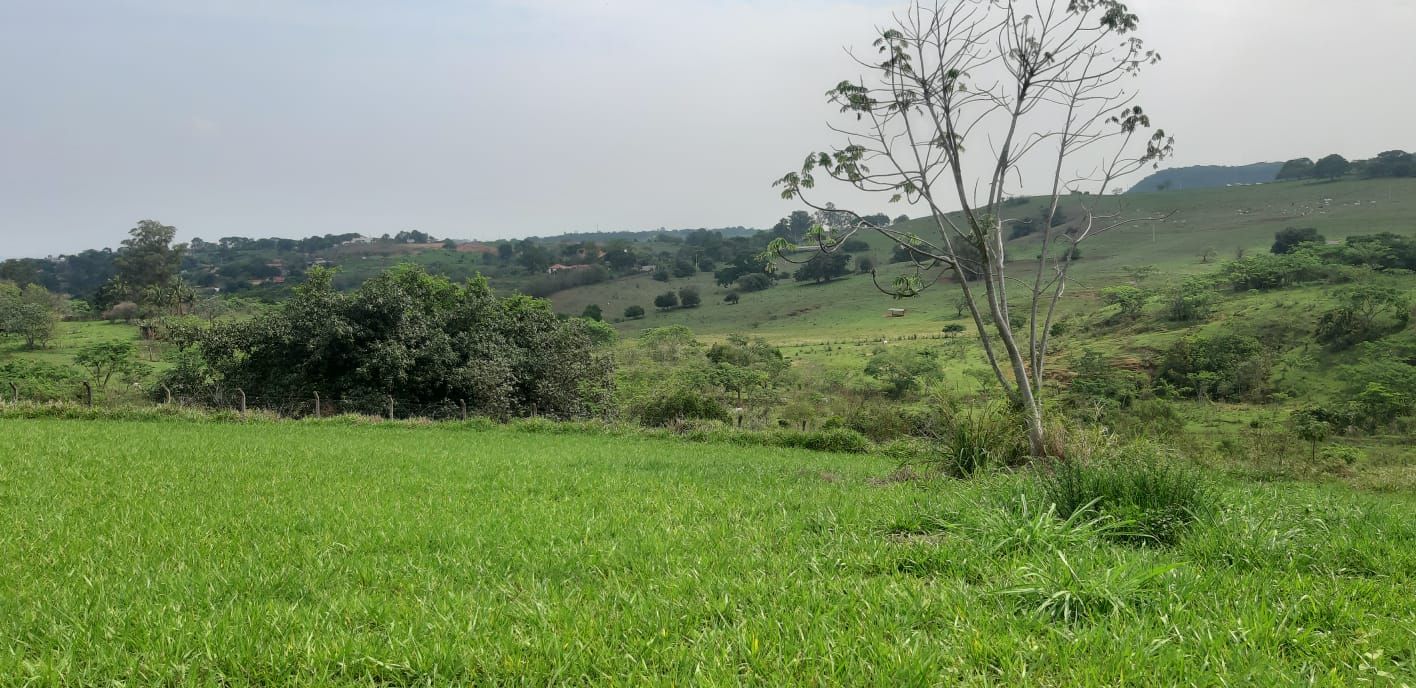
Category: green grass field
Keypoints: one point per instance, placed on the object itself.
(335, 553)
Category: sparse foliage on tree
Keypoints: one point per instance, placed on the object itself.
(960, 99)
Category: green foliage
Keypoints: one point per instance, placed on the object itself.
(1292, 238)
(419, 338)
(689, 297)
(592, 312)
(1364, 313)
(666, 300)
(1129, 300)
(1191, 301)
(732, 298)
(678, 404)
(1273, 271)
(902, 370)
(148, 263)
(754, 282)
(979, 440)
(668, 344)
(1098, 382)
(634, 312)
(1300, 168)
(823, 267)
(39, 381)
(1332, 167)
(105, 360)
(1223, 366)
(1135, 484)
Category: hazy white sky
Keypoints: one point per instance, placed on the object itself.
(501, 118)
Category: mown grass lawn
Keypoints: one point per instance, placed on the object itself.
(185, 553)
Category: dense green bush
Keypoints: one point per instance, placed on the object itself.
(39, 381)
(419, 338)
(1266, 271)
(681, 404)
(1222, 366)
(1152, 496)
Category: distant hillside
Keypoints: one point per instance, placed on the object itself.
(1208, 177)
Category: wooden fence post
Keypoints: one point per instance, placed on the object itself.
(462, 408)
(390, 407)
(15, 391)
(88, 394)
(168, 391)
(317, 404)
(241, 401)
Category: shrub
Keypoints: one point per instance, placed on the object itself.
(689, 297)
(634, 312)
(126, 311)
(1223, 366)
(666, 300)
(840, 440)
(978, 440)
(1269, 271)
(732, 298)
(756, 281)
(1155, 498)
(680, 405)
(1290, 239)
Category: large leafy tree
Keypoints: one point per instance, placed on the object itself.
(419, 338)
(961, 101)
(1332, 167)
(148, 260)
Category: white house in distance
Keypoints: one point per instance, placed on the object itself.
(558, 267)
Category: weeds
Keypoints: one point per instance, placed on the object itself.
(1060, 592)
(1133, 484)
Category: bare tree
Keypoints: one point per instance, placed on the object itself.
(964, 99)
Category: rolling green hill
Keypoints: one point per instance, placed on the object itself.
(1224, 220)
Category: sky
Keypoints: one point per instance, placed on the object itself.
(487, 119)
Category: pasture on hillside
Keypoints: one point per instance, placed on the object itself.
(340, 552)
(1225, 219)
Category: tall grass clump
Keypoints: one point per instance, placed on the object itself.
(1136, 484)
(981, 439)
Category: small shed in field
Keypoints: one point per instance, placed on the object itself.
(896, 313)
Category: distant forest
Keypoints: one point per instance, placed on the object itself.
(1393, 163)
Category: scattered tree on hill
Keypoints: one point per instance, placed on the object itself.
(901, 370)
(689, 297)
(865, 265)
(684, 268)
(1392, 163)
(1310, 426)
(823, 267)
(1300, 168)
(1129, 300)
(593, 312)
(666, 300)
(1364, 313)
(661, 274)
(1292, 238)
(634, 312)
(1208, 254)
(1332, 167)
(950, 77)
(756, 281)
(732, 298)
